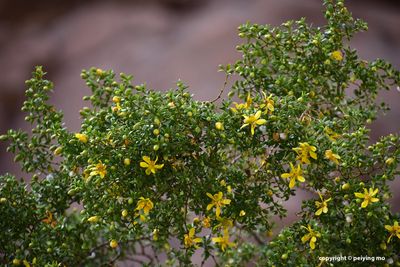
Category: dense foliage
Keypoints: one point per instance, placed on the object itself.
(153, 177)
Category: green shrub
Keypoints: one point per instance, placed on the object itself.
(154, 177)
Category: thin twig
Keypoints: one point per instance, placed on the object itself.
(222, 89)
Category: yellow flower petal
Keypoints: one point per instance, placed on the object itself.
(301, 179)
(144, 164)
(359, 195)
(312, 245)
(305, 238)
(319, 211)
(147, 159)
(292, 183)
(261, 121)
(364, 204)
(373, 192)
(285, 175)
(191, 232)
(226, 201)
(374, 199)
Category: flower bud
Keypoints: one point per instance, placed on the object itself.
(346, 186)
(127, 162)
(93, 219)
(113, 243)
(219, 126)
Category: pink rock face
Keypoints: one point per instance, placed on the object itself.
(158, 42)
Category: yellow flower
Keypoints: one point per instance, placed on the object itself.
(294, 174)
(223, 240)
(242, 213)
(190, 239)
(331, 134)
(224, 223)
(218, 201)
(394, 230)
(113, 243)
(268, 104)
(151, 165)
(332, 156)
(242, 105)
(368, 197)
(322, 206)
(310, 236)
(99, 169)
(337, 55)
(206, 222)
(93, 219)
(81, 137)
(50, 220)
(304, 151)
(144, 204)
(252, 121)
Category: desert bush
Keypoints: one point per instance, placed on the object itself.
(152, 177)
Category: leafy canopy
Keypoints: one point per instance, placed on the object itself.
(154, 177)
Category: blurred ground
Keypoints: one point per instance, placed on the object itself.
(159, 42)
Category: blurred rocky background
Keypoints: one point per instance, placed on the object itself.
(159, 41)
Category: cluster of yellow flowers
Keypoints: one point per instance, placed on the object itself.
(100, 168)
(143, 208)
(253, 120)
(218, 201)
(117, 107)
(322, 207)
(304, 152)
(145, 205)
